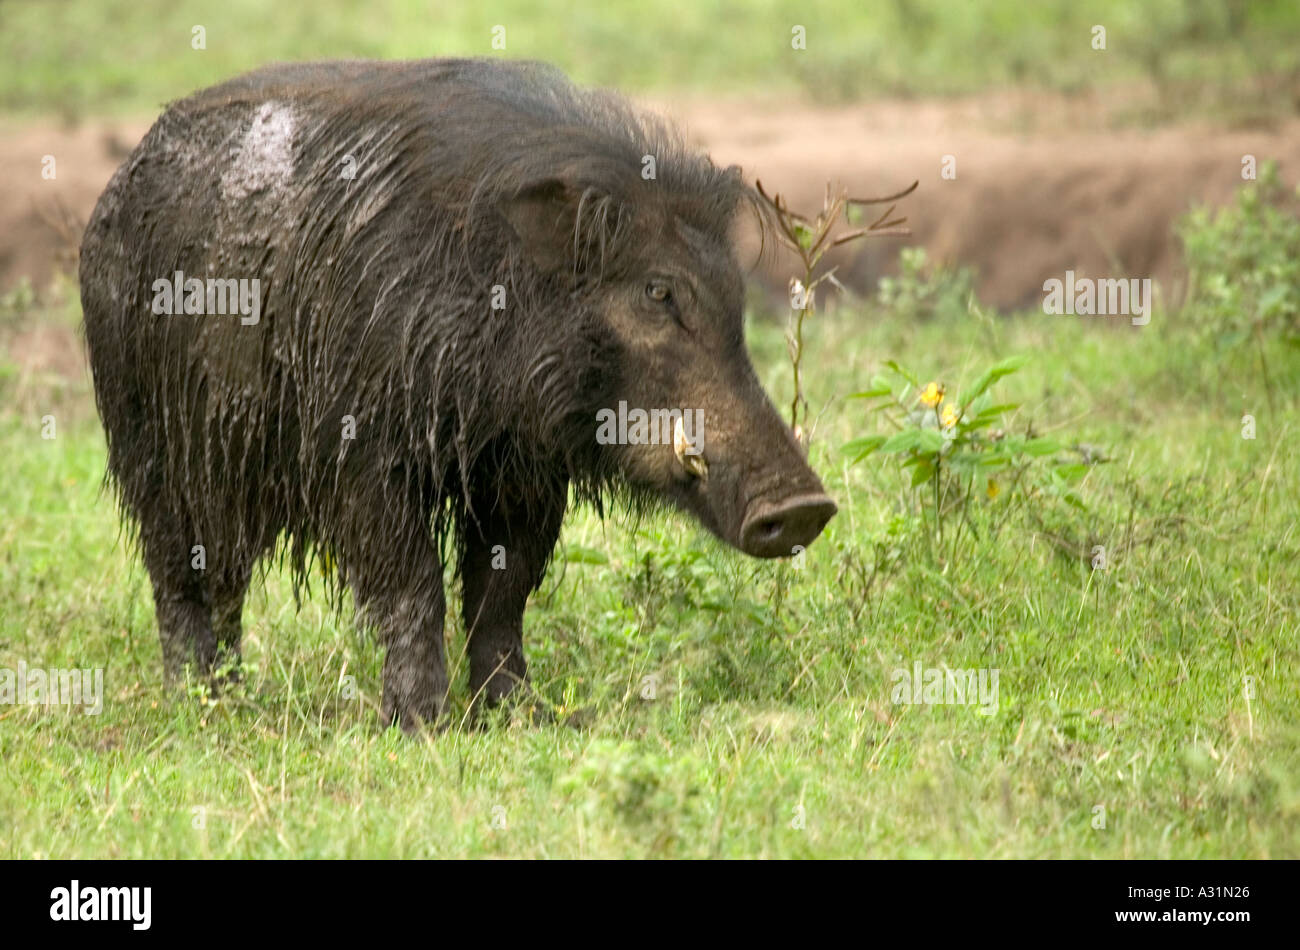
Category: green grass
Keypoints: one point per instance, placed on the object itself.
(771, 732)
(81, 57)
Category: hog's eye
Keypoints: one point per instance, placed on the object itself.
(659, 292)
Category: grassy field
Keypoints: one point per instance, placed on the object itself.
(711, 705)
(87, 57)
(705, 704)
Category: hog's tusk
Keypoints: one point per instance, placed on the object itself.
(693, 462)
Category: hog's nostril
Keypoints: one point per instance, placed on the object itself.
(783, 528)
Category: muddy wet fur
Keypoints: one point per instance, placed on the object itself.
(380, 411)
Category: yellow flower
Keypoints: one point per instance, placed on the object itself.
(949, 416)
(932, 394)
(993, 490)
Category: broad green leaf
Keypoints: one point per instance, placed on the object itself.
(902, 441)
(994, 373)
(1071, 472)
(1043, 446)
(861, 448)
(992, 412)
(902, 372)
(931, 440)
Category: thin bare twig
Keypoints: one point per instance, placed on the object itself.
(810, 239)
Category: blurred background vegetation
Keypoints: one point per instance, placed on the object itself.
(94, 56)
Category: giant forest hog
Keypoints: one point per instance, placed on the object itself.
(357, 310)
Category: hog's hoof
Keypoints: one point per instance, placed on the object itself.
(513, 703)
(413, 717)
(529, 711)
(193, 682)
(229, 671)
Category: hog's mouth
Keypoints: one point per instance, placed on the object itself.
(774, 525)
(786, 526)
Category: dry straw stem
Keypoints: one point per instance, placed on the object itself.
(809, 239)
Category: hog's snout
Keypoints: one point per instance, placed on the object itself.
(776, 529)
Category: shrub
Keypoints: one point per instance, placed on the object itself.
(921, 291)
(960, 448)
(1244, 266)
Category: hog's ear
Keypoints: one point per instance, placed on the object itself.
(544, 219)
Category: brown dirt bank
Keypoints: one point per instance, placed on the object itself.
(1041, 186)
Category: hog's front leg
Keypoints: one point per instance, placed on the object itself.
(505, 558)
